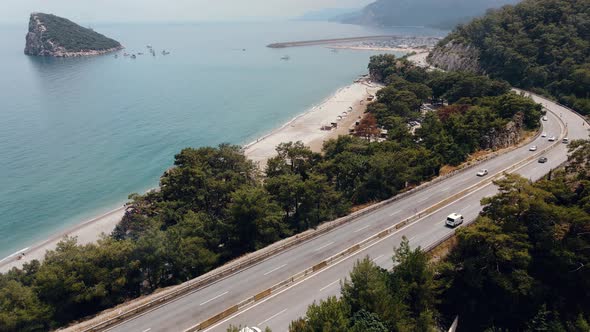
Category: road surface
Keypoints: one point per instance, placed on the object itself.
(277, 311)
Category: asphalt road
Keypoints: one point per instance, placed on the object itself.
(277, 311)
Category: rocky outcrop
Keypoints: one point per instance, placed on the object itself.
(455, 56)
(50, 35)
(510, 135)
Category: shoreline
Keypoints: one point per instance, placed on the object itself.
(305, 127)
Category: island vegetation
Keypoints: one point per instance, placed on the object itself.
(214, 205)
(51, 35)
(539, 45)
(522, 266)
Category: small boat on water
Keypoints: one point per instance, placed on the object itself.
(286, 58)
(125, 54)
(116, 56)
(148, 46)
(164, 52)
(133, 56)
(139, 53)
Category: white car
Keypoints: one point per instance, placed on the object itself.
(454, 220)
(544, 135)
(482, 172)
(533, 148)
(250, 329)
(552, 139)
(545, 118)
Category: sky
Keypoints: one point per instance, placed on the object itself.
(15, 11)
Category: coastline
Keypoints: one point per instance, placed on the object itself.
(343, 107)
(380, 49)
(305, 127)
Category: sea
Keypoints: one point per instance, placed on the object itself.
(78, 135)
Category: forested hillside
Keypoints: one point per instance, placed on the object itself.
(523, 266)
(541, 45)
(215, 206)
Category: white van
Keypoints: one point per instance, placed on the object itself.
(454, 220)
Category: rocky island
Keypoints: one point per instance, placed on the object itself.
(50, 35)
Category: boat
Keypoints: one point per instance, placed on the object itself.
(139, 53)
(133, 56)
(286, 58)
(164, 52)
(148, 46)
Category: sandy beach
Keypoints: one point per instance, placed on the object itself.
(344, 108)
(86, 232)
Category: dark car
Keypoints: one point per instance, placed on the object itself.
(543, 160)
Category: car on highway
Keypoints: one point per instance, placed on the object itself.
(454, 220)
(533, 148)
(544, 135)
(543, 160)
(250, 329)
(482, 172)
(552, 139)
(545, 118)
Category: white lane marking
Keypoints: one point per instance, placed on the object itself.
(215, 298)
(423, 199)
(465, 208)
(377, 258)
(330, 285)
(278, 268)
(12, 255)
(360, 229)
(147, 330)
(271, 317)
(324, 246)
(395, 213)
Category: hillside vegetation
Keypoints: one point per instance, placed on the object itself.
(541, 45)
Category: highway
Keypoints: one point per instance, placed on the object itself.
(278, 310)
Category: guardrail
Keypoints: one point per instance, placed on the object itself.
(265, 253)
(349, 252)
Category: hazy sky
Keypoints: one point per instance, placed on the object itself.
(167, 10)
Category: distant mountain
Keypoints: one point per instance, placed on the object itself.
(330, 14)
(50, 35)
(436, 13)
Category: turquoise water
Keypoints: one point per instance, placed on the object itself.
(78, 135)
